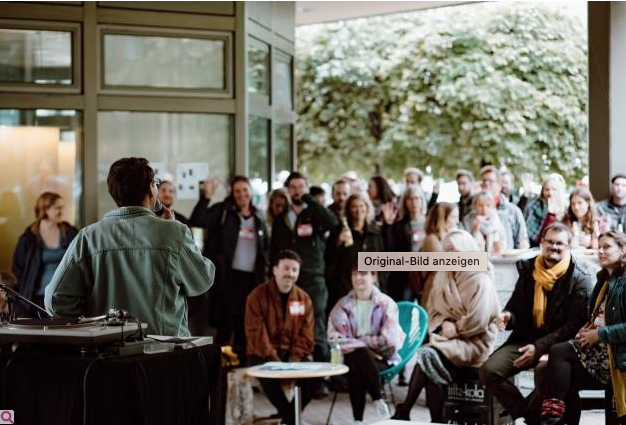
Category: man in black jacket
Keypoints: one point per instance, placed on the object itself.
(301, 229)
(549, 305)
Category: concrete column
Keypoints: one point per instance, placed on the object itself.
(607, 94)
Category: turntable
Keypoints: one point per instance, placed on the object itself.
(68, 332)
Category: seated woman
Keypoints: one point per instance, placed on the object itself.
(547, 208)
(461, 309)
(582, 219)
(365, 324)
(485, 225)
(597, 355)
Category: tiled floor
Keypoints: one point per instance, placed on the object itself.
(317, 411)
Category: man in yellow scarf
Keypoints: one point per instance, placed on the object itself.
(549, 305)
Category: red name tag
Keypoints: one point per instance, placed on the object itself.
(246, 233)
(305, 230)
(296, 308)
(418, 235)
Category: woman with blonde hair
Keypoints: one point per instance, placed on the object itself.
(548, 208)
(345, 242)
(279, 201)
(485, 225)
(405, 235)
(40, 249)
(461, 308)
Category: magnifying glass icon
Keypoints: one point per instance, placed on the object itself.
(6, 417)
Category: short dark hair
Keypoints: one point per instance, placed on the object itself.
(316, 190)
(559, 228)
(295, 175)
(618, 176)
(287, 254)
(238, 179)
(129, 181)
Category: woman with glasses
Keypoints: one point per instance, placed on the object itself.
(597, 355)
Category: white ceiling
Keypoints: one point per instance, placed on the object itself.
(314, 12)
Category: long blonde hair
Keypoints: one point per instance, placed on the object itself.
(44, 201)
(560, 197)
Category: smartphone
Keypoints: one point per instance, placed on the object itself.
(158, 207)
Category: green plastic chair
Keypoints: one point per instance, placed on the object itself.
(414, 322)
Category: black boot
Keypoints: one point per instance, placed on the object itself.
(401, 413)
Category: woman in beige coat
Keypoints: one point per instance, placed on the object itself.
(462, 307)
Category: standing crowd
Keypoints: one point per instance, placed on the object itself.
(284, 282)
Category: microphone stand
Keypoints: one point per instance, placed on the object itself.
(17, 295)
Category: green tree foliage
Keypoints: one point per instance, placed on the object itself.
(448, 88)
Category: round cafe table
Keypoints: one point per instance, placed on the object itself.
(296, 370)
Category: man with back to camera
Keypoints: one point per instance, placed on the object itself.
(132, 259)
(548, 305)
(167, 196)
(279, 327)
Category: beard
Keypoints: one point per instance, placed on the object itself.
(297, 201)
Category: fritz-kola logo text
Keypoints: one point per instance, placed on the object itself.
(465, 392)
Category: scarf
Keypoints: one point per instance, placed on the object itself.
(544, 282)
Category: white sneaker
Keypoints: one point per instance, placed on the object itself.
(356, 423)
(382, 410)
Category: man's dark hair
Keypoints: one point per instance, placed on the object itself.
(129, 181)
(295, 175)
(287, 254)
(316, 190)
(559, 228)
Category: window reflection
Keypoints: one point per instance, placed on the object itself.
(182, 148)
(35, 56)
(258, 67)
(258, 147)
(39, 154)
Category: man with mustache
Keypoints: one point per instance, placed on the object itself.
(301, 229)
(548, 305)
(279, 327)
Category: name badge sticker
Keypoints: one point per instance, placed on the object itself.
(246, 233)
(305, 230)
(296, 308)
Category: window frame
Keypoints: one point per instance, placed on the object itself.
(127, 90)
(76, 53)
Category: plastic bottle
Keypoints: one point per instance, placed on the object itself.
(336, 356)
(349, 241)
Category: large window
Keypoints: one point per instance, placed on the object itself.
(258, 67)
(182, 148)
(258, 149)
(155, 60)
(283, 82)
(282, 154)
(40, 153)
(32, 58)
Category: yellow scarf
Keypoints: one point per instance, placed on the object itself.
(544, 282)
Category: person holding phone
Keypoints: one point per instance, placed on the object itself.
(132, 259)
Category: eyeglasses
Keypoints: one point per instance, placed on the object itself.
(558, 244)
(156, 181)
